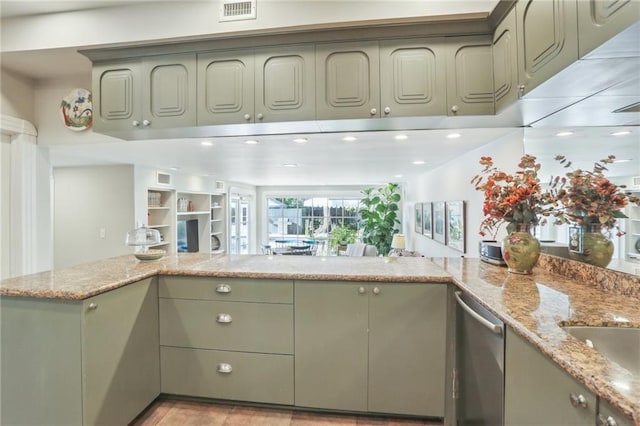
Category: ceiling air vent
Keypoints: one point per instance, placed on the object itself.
(163, 178)
(233, 10)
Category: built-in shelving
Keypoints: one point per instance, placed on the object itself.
(160, 216)
(218, 225)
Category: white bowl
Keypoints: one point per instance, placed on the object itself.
(153, 254)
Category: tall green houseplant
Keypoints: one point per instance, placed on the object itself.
(379, 216)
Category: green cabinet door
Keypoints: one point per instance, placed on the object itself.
(347, 80)
(225, 87)
(407, 348)
(117, 91)
(470, 76)
(505, 62)
(285, 84)
(413, 78)
(120, 353)
(169, 91)
(600, 20)
(547, 39)
(331, 345)
(538, 392)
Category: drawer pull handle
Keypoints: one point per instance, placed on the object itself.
(223, 318)
(223, 288)
(578, 400)
(224, 368)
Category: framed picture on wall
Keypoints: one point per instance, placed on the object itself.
(427, 219)
(455, 225)
(418, 217)
(439, 230)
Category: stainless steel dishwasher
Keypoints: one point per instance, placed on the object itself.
(479, 372)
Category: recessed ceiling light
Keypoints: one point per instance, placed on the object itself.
(349, 139)
(453, 135)
(397, 176)
(206, 143)
(301, 140)
(623, 160)
(174, 168)
(561, 134)
(251, 142)
(401, 137)
(621, 133)
(417, 162)
(290, 165)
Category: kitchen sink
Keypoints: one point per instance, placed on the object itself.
(618, 344)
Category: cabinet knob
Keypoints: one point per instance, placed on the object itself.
(376, 290)
(373, 111)
(93, 306)
(260, 116)
(578, 400)
(454, 109)
(224, 368)
(608, 421)
(362, 290)
(146, 123)
(223, 318)
(135, 123)
(247, 117)
(387, 110)
(223, 288)
(521, 90)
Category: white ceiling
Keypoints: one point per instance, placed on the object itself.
(375, 157)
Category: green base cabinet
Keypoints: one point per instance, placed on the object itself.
(370, 347)
(539, 392)
(88, 362)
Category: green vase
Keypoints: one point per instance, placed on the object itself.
(597, 249)
(520, 249)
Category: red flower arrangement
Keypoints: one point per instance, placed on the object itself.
(511, 198)
(588, 198)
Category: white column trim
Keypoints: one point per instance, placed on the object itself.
(23, 209)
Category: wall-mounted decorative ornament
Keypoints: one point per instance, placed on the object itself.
(77, 110)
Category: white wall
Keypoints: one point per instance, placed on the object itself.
(185, 19)
(5, 210)
(86, 200)
(450, 182)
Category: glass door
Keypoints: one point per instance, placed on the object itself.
(239, 219)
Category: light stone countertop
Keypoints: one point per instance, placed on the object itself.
(534, 306)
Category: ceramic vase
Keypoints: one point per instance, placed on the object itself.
(520, 249)
(597, 249)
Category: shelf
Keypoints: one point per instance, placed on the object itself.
(216, 207)
(216, 220)
(158, 226)
(215, 234)
(192, 213)
(217, 251)
(158, 208)
(165, 243)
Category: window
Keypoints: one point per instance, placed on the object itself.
(296, 219)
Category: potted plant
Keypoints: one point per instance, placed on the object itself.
(341, 236)
(379, 216)
(590, 203)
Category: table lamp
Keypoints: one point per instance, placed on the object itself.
(397, 245)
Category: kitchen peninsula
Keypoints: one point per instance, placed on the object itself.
(532, 307)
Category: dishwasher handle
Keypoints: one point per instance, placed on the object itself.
(496, 329)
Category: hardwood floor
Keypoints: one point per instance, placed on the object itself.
(166, 412)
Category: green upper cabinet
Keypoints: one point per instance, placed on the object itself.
(285, 84)
(225, 87)
(470, 76)
(599, 20)
(413, 78)
(370, 347)
(505, 62)
(547, 41)
(347, 80)
(153, 93)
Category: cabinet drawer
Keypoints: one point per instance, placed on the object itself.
(252, 377)
(230, 289)
(236, 326)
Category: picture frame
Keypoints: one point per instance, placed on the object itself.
(418, 218)
(455, 225)
(576, 239)
(439, 229)
(427, 220)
